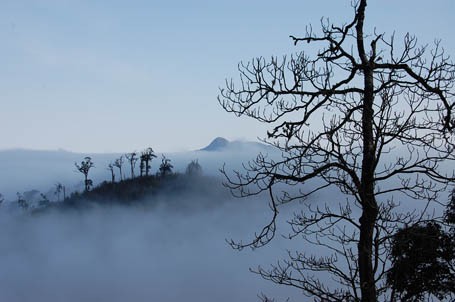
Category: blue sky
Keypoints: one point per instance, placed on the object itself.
(115, 76)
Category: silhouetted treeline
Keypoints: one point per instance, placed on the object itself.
(139, 187)
(145, 188)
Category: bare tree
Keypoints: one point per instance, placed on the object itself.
(146, 158)
(364, 115)
(84, 167)
(119, 163)
(132, 159)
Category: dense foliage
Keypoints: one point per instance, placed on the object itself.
(422, 256)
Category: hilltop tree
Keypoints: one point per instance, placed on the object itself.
(366, 115)
(59, 188)
(141, 167)
(165, 167)
(119, 163)
(146, 158)
(110, 167)
(132, 159)
(84, 167)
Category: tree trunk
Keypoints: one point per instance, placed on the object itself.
(369, 205)
(365, 247)
(86, 182)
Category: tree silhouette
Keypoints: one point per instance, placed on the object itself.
(119, 163)
(364, 115)
(2, 199)
(165, 167)
(110, 167)
(423, 259)
(146, 158)
(194, 168)
(132, 159)
(59, 188)
(84, 167)
(141, 166)
(423, 263)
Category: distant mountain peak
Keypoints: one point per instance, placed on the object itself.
(217, 144)
(222, 144)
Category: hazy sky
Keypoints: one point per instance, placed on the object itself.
(114, 76)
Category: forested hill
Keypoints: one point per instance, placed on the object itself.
(181, 191)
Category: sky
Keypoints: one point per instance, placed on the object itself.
(117, 76)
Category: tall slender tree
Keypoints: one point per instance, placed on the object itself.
(110, 167)
(141, 166)
(119, 163)
(59, 189)
(84, 167)
(132, 159)
(146, 158)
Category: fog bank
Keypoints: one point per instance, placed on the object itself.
(136, 254)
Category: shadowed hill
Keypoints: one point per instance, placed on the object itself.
(176, 190)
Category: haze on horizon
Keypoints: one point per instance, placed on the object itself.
(113, 76)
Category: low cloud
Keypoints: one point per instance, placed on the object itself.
(175, 251)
